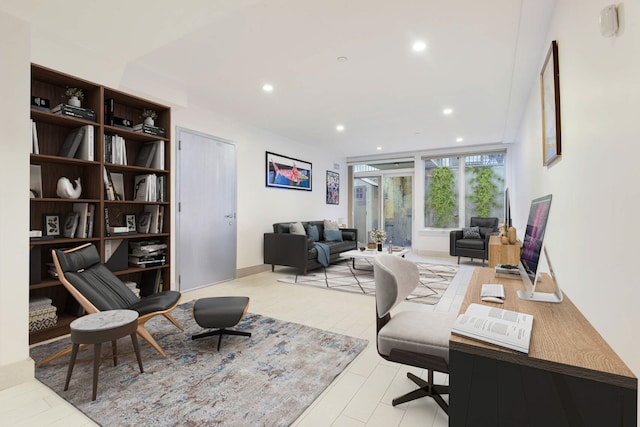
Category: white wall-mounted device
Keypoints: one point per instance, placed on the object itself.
(609, 21)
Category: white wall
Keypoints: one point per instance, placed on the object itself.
(258, 206)
(15, 365)
(592, 233)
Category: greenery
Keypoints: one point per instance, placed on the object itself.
(378, 236)
(441, 198)
(74, 91)
(484, 183)
(149, 113)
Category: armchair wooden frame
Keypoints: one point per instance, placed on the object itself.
(90, 308)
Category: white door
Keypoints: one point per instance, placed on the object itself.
(206, 210)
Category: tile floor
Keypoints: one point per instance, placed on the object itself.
(360, 396)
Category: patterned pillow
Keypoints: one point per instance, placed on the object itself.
(471, 233)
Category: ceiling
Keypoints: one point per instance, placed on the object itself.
(482, 60)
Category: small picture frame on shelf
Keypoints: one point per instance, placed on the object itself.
(51, 225)
(130, 221)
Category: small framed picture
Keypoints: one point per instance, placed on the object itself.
(130, 221)
(51, 225)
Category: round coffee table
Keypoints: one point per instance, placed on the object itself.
(100, 327)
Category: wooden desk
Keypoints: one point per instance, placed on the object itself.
(503, 254)
(571, 376)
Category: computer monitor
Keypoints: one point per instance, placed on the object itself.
(507, 208)
(532, 247)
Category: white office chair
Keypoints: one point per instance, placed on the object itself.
(415, 338)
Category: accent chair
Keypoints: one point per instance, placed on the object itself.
(473, 241)
(415, 338)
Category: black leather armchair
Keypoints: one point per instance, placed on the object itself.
(473, 247)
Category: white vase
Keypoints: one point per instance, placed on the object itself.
(74, 101)
(148, 121)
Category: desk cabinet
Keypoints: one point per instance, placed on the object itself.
(571, 376)
(503, 254)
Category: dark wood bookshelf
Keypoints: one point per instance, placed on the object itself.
(52, 129)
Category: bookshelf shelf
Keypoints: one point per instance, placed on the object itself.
(53, 133)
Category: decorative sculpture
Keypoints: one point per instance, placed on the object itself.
(65, 189)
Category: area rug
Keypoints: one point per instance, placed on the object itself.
(268, 379)
(358, 278)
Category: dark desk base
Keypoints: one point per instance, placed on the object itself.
(490, 392)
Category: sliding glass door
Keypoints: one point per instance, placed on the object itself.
(383, 200)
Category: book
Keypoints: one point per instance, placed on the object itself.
(505, 328)
(86, 147)
(146, 155)
(154, 210)
(83, 223)
(77, 112)
(109, 108)
(35, 146)
(158, 159)
(35, 184)
(507, 271)
(144, 221)
(70, 224)
(117, 180)
(149, 129)
(110, 192)
(72, 142)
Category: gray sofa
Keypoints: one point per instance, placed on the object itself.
(296, 250)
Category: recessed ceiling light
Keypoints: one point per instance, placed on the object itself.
(459, 139)
(447, 111)
(340, 128)
(419, 46)
(267, 87)
(378, 148)
(342, 59)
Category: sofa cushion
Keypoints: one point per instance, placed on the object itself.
(312, 232)
(297, 228)
(471, 233)
(332, 235)
(330, 225)
(471, 244)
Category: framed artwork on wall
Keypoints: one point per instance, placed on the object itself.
(333, 188)
(287, 172)
(550, 92)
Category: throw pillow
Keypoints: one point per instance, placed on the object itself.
(471, 233)
(330, 225)
(297, 228)
(332, 235)
(313, 233)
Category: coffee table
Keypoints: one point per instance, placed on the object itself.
(368, 255)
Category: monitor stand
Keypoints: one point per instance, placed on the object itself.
(529, 295)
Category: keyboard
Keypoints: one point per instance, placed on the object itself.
(492, 290)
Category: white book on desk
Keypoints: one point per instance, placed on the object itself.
(504, 328)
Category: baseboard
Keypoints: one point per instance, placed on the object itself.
(255, 269)
(16, 373)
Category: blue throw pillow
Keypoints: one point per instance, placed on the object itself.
(312, 232)
(333, 235)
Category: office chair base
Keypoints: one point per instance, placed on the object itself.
(220, 332)
(427, 389)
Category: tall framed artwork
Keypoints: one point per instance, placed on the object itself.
(550, 93)
(333, 188)
(287, 172)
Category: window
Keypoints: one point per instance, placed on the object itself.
(459, 187)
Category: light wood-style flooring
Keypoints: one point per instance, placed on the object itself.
(360, 396)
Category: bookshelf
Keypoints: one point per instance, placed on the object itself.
(112, 109)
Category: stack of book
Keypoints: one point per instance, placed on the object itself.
(42, 314)
(149, 130)
(147, 253)
(115, 150)
(77, 112)
(133, 287)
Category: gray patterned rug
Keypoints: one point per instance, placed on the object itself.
(266, 380)
(342, 276)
